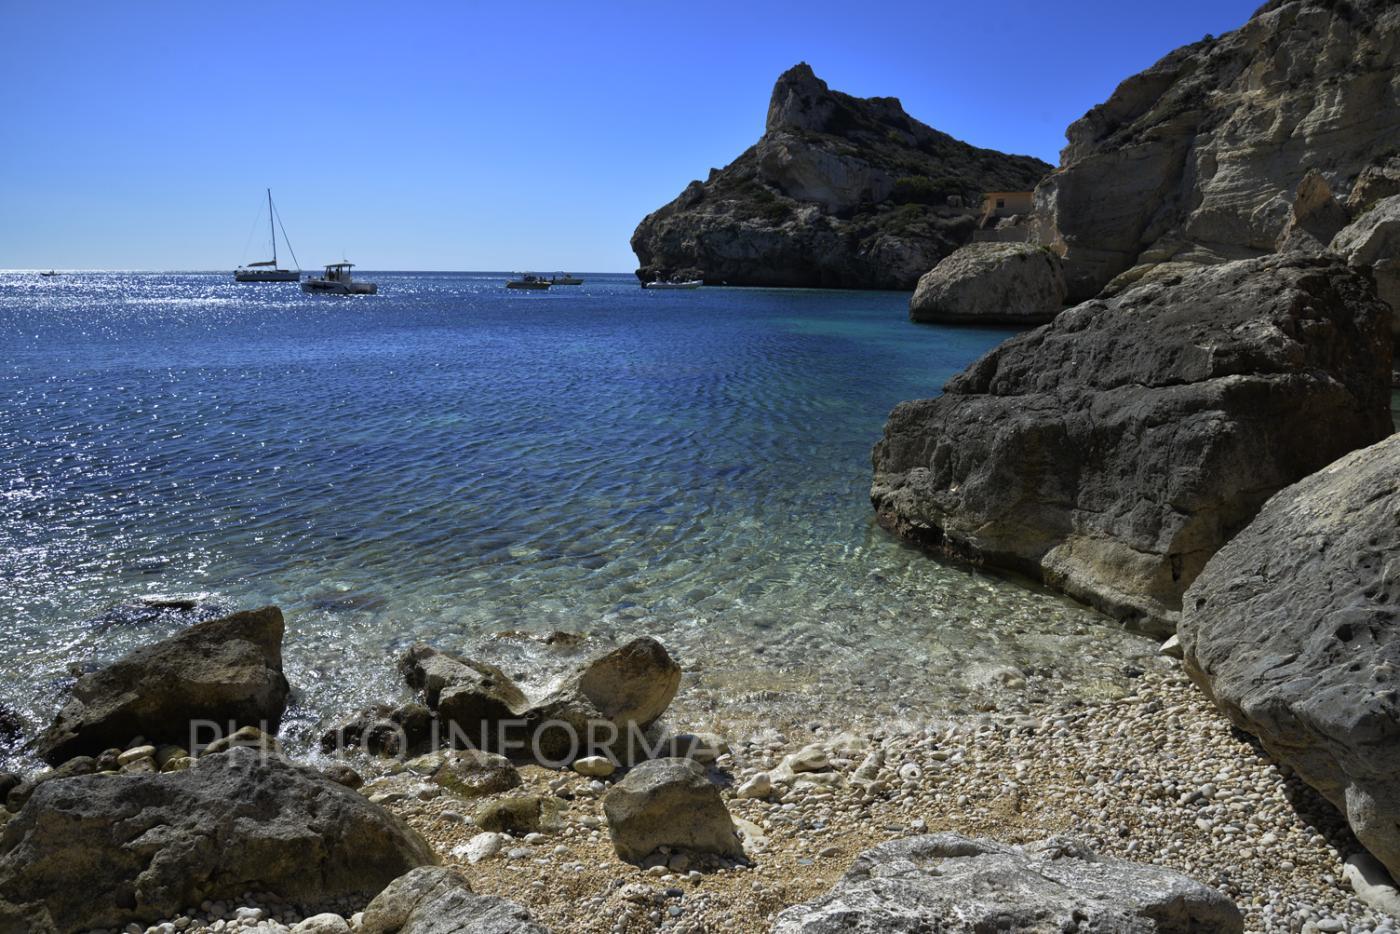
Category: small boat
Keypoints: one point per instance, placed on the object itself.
(687, 284)
(565, 279)
(528, 282)
(268, 270)
(48, 274)
(337, 281)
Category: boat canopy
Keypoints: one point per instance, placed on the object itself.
(339, 265)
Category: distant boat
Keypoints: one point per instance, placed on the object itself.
(268, 270)
(49, 273)
(528, 282)
(337, 281)
(688, 284)
(565, 279)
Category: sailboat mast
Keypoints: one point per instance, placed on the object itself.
(271, 229)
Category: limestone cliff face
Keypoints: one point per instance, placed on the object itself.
(1200, 157)
(839, 192)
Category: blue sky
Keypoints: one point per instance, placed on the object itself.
(485, 136)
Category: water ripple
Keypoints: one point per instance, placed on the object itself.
(448, 460)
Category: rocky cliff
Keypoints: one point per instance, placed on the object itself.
(1200, 157)
(839, 192)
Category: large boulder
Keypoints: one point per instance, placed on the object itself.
(1199, 157)
(1294, 630)
(606, 705)
(439, 900)
(1112, 452)
(839, 192)
(154, 845)
(991, 283)
(669, 802)
(469, 697)
(949, 883)
(228, 671)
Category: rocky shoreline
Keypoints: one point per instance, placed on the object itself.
(1159, 778)
(742, 833)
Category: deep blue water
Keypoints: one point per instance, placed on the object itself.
(448, 459)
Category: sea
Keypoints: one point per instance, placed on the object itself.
(456, 463)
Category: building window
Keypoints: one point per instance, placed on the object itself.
(1001, 202)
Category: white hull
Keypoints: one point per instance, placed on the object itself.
(692, 284)
(324, 287)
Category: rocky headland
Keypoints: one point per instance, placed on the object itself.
(839, 192)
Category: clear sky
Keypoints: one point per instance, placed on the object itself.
(140, 134)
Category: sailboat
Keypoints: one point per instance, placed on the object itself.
(268, 270)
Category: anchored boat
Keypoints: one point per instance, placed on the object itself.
(528, 282)
(688, 284)
(337, 281)
(268, 270)
(565, 279)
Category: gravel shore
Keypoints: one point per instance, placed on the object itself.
(1158, 776)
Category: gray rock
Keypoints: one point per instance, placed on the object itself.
(518, 815)
(472, 773)
(438, 900)
(20, 792)
(155, 844)
(950, 883)
(470, 697)
(1373, 241)
(325, 923)
(249, 737)
(342, 774)
(1293, 630)
(406, 730)
(1374, 183)
(1315, 217)
(601, 705)
(1198, 157)
(991, 283)
(226, 670)
(606, 706)
(669, 802)
(1111, 452)
(838, 192)
(1371, 883)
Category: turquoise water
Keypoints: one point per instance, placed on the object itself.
(449, 460)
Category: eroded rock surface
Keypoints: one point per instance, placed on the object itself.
(947, 882)
(1113, 451)
(1293, 629)
(839, 192)
(1199, 157)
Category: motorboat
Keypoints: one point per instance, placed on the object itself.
(687, 284)
(268, 270)
(528, 282)
(565, 279)
(337, 281)
(48, 274)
